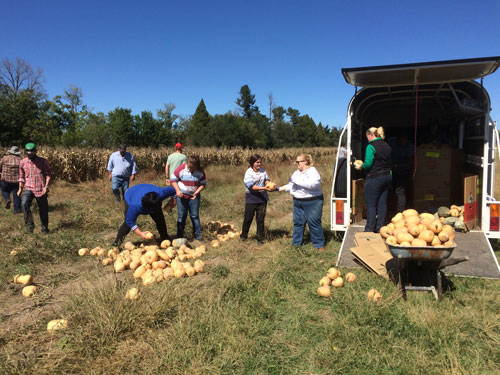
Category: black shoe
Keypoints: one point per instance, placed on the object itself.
(7, 205)
(115, 244)
(29, 229)
(45, 231)
(260, 243)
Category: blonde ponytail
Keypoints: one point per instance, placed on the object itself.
(308, 158)
(377, 132)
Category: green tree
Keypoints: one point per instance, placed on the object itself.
(21, 99)
(72, 115)
(147, 129)
(167, 124)
(199, 130)
(121, 123)
(247, 102)
(97, 133)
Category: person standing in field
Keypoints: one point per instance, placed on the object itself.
(378, 178)
(173, 161)
(255, 198)
(34, 178)
(144, 199)
(188, 181)
(9, 178)
(121, 171)
(305, 188)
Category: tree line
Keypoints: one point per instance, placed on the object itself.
(27, 114)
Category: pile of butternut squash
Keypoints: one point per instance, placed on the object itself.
(152, 263)
(409, 228)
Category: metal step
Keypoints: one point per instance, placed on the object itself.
(482, 260)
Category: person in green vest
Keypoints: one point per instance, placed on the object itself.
(173, 161)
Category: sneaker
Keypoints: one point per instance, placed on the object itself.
(115, 244)
(45, 231)
(7, 204)
(321, 249)
(199, 238)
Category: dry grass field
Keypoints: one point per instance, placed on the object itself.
(253, 311)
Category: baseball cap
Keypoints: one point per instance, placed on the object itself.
(30, 147)
(178, 145)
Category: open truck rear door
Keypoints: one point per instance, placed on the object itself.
(377, 83)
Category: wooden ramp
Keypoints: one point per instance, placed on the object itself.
(482, 260)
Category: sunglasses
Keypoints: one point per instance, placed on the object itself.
(299, 161)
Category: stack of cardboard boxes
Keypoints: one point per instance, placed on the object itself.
(437, 177)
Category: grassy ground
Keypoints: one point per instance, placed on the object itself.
(255, 310)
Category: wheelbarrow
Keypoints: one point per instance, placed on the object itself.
(424, 264)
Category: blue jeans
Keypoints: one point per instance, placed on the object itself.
(376, 190)
(185, 205)
(309, 212)
(117, 183)
(7, 189)
(43, 209)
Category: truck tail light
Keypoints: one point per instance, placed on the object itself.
(495, 217)
(339, 212)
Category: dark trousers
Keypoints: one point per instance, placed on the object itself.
(7, 189)
(259, 210)
(157, 217)
(43, 209)
(401, 184)
(376, 191)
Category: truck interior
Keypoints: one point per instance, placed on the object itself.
(437, 103)
(443, 114)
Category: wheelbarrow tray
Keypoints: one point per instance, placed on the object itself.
(427, 253)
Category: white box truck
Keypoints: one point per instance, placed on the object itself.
(406, 98)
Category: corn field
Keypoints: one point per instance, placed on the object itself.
(86, 164)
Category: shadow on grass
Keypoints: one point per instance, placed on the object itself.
(273, 234)
(60, 206)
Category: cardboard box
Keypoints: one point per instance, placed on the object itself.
(470, 186)
(436, 179)
(358, 200)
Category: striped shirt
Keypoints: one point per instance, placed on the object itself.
(33, 174)
(253, 178)
(9, 168)
(188, 182)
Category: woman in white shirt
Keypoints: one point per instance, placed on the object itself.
(305, 188)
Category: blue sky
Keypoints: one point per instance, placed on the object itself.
(140, 55)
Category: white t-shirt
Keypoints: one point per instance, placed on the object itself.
(305, 184)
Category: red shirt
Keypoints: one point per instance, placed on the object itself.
(33, 174)
(9, 168)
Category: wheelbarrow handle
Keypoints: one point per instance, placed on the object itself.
(451, 261)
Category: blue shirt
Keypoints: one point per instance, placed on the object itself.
(123, 166)
(133, 198)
